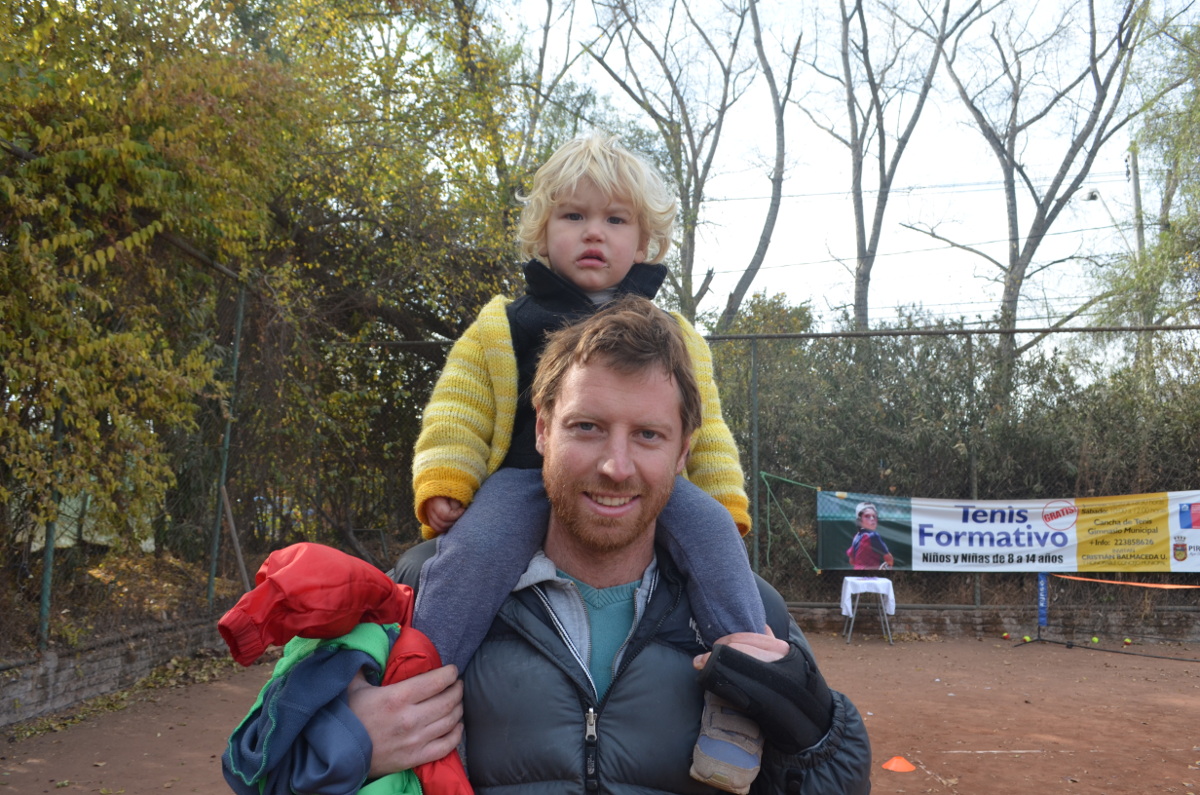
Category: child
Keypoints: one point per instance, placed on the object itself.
(596, 224)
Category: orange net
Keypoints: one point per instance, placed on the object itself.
(1163, 585)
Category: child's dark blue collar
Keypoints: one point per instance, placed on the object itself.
(643, 279)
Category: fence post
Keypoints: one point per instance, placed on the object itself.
(754, 444)
(48, 549)
(216, 536)
(972, 458)
(47, 585)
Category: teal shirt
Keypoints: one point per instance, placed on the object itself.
(610, 618)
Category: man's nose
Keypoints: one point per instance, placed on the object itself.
(616, 464)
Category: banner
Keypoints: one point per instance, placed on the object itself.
(1133, 533)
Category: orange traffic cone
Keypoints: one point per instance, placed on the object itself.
(898, 764)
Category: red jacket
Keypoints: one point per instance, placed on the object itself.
(314, 591)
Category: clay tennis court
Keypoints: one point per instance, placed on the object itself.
(976, 717)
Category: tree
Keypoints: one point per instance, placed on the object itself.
(1016, 81)
(395, 230)
(1153, 282)
(105, 161)
(884, 70)
(1170, 135)
(551, 107)
(781, 365)
(780, 92)
(759, 379)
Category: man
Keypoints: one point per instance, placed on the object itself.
(587, 680)
(868, 550)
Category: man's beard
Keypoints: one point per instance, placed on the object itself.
(601, 534)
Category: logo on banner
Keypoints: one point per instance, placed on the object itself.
(1189, 513)
(1059, 514)
(1180, 548)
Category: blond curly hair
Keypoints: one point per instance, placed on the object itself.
(618, 173)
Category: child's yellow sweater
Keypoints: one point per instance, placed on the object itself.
(468, 423)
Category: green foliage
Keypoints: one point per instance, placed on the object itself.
(347, 163)
(395, 230)
(1157, 282)
(780, 364)
(1170, 137)
(97, 347)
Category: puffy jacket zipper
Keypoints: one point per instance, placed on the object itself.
(591, 749)
(591, 777)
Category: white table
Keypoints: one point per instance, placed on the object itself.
(852, 590)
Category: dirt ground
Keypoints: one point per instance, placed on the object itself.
(976, 717)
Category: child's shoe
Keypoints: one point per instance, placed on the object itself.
(728, 752)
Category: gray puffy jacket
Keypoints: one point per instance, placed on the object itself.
(534, 724)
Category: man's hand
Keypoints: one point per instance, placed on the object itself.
(443, 512)
(412, 722)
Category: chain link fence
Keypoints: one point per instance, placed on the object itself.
(932, 413)
(314, 443)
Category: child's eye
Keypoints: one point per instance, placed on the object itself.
(573, 216)
(616, 219)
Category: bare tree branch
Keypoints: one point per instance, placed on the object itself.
(1064, 320)
(954, 244)
(779, 100)
(869, 91)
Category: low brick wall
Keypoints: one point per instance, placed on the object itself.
(57, 680)
(1064, 622)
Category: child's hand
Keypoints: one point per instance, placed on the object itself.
(443, 512)
(762, 646)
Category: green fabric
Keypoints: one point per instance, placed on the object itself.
(610, 618)
(403, 783)
(371, 639)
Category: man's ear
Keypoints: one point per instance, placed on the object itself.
(539, 430)
(683, 456)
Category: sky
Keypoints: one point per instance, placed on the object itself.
(947, 179)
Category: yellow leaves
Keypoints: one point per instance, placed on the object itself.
(326, 168)
(163, 138)
(67, 240)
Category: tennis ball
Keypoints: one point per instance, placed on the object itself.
(1005, 636)
(1095, 639)
(1128, 641)
(1026, 638)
